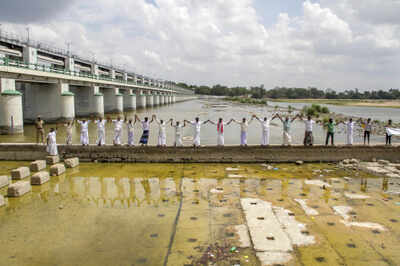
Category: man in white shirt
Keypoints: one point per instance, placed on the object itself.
(162, 135)
(265, 125)
(178, 133)
(197, 128)
(308, 136)
(84, 132)
(118, 130)
(350, 131)
(101, 131)
(130, 125)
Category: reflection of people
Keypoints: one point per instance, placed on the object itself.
(39, 130)
(69, 126)
(197, 128)
(244, 126)
(101, 131)
(265, 124)
(178, 133)
(52, 143)
(220, 130)
(117, 130)
(84, 132)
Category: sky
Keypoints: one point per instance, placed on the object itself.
(337, 44)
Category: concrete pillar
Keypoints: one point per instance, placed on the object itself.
(165, 99)
(113, 101)
(53, 102)
(129, 100)
(149, 99)
(11, 110)
(29, 55)
(169, 98)
(112, 73)
(156, 99)
(173, 98)
(88, 101)
(140, 100)
(161, 99)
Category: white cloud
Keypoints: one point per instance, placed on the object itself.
(337, 44)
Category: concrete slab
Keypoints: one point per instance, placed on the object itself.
(243, 234)
(38, 165)
(52, 160)
(308, 210)
(40, 178)
(343, 211)
(57, 169)
(355, 196)
(232, 169)
(71, 162)
(273, 258)
(20, 173)
(4, 181)
(296, 231)
(316, 183)
(19, 188)
(234, 176)
(2, 201)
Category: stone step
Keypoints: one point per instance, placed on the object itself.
(71, 162)
(57, 169)
(40, 178)
(4, 181)
(38, 165)
(19, 188)
(20, 173)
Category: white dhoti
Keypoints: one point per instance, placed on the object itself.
(162, 139)
(131, 138)
(178, 140)
(52, 149)
(117, 136)
(68, 140)
(287, 139)
(349, 137)
(196, 139)
(84, 137)
(101, 137)
(221, 139)
(265, 138)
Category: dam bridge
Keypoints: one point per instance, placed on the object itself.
(37, 79)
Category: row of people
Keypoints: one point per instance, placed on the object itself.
(220, 124)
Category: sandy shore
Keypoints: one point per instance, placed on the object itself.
(346, 102)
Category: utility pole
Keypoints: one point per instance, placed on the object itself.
(28, 31)
(69, 48)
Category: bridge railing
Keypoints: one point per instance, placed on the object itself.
(45, 68)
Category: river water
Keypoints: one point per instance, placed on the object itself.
(133, 214)
(205, 110)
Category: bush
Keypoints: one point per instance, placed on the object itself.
(325, 110)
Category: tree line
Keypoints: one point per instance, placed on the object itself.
(260, 92)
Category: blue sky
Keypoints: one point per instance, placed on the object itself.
(269, 10)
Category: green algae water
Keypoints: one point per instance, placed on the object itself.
(187, 214)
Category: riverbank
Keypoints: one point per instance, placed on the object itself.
(345, 102)
(209, 154)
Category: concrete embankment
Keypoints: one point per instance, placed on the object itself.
(212, 154)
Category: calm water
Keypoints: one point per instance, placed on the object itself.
(204, 110)
(134, 214)
(376, 113)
